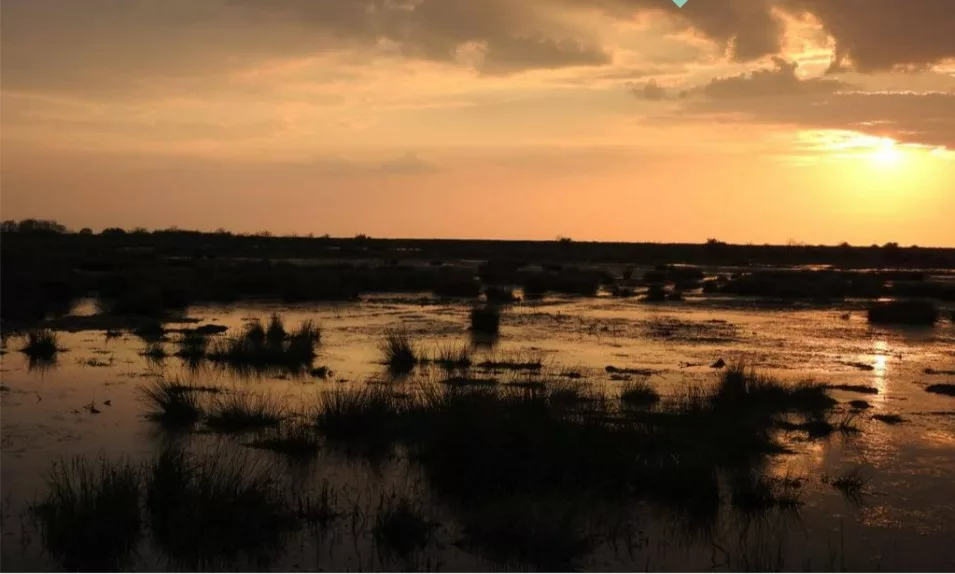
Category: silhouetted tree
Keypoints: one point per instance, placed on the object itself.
(86, 231)
(33, 226)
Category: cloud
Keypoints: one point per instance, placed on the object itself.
(514, 36)
(781, 80)
(877, 35)
(923, 118)
(648, 91)
(107, 47)
(869, 35)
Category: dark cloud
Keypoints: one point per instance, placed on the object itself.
(909, 117)
(778, 81)
(746, 29)
(878, 35)
(869, 35)
(107, 46)
(779, 96)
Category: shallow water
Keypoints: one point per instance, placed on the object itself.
(905, 520)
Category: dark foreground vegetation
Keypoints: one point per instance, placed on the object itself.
(537, 474)
(158, 274)
(904, 312)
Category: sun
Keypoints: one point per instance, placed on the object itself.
(886, 154)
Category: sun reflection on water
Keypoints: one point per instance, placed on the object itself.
(881, 366)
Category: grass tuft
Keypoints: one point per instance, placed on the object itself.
(486, 319)
(753, 493)
(208, 511)
(365, 415)
(399, 352)
(155, 351)
(512, 361)
(851, 484)
(173, 403)
(321, 510)
(90, 519)
(638, 393)
(904, 312)
(261, 348)
(192, 346)
(452, 358)
(742, 387)
(241, 412)
(41, 344)
(296, 442)
(400, 527)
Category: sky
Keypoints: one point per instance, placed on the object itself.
(750, 121)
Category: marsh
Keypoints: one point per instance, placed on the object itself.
(589, 431)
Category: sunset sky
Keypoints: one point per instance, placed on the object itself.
(760, 121)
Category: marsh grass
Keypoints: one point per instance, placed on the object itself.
(293, 441)
(192, 346)
(903, 312)
(322, 372)
(368, 417)
(851, 485)
(569, 393)
(241, 412)
(487, 450)
(321, 510)
(400, 526)
(638, 393)
(150, 331)
(500, 296)
(741, 386)
(451, 358)
(470, 382)
(512, 361)
(207, 511)
(551, 534)
(173, 403)
(154, 351)
(90, 517)
(260, 348)
(41, 344)
(485, 319)
(400, 354)
(818, 425)
(754, 493)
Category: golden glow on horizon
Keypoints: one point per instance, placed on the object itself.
(887, 155)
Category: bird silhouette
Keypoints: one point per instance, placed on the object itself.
(108, 403)
(92, 408)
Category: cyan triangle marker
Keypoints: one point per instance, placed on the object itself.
(680, 3)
